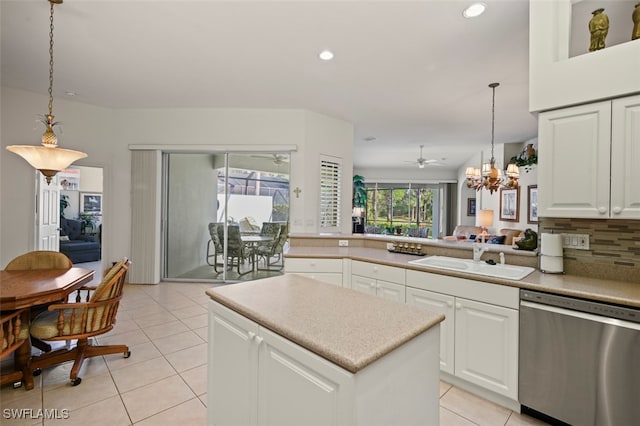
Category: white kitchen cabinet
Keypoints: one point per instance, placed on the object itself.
(257, 377)
(325, 270)
(486, 342)
(442, 304)
(479, 336)
(587, 160)
(383, 281)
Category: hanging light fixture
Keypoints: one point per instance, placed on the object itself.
(490, 177)
(48, 158)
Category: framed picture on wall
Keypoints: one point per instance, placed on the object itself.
(509, 204)
(90, 203)
(471, 206)
(532, 204)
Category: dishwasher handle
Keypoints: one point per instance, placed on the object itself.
(581, 315)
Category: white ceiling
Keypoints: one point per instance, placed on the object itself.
(408, 73)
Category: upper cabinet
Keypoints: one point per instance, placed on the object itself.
(556, 78)
(587, 160)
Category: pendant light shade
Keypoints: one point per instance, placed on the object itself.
(48, 158)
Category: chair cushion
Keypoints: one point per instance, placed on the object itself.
(510, 234)
(45, 325)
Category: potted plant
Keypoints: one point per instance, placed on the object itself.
(87, 221)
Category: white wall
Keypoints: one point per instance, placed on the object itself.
(106, 134)
(86, 128)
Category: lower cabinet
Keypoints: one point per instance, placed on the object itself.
(378, 280)
(256, 377)
(479, 336)
(384, 289)
(325, 270)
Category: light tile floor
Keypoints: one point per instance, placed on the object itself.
(164, 380)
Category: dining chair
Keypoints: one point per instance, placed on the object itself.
(34, 260)
(214, 243)
(269, 251)
(237, 250)
(82, 320)
(40, 259)
(14, 332)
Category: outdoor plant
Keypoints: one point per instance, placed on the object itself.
(359, 192)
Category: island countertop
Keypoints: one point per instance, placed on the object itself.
(348, 328)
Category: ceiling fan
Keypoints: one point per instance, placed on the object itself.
(423, 161)
(276, 158)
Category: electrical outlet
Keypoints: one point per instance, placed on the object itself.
(343, 243)
(575, 241)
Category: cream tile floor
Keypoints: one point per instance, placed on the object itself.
(164, 380)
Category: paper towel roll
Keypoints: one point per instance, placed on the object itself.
(551, 264)
(551, 244)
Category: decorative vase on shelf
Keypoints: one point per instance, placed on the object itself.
(598, 27)
(635, 34)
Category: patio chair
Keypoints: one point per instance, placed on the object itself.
(269, 251)
(214, 243)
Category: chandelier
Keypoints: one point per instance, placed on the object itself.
(490, 177)
(48, 158)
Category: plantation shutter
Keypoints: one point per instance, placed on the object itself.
(330, 186)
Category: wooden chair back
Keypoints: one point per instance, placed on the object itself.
(40, 259)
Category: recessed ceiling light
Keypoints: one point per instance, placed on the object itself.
(476, 9)
(370, 139)
(326, 55)
(69, 93)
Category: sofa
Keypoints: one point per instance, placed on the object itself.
(78, 247)
(468, 232)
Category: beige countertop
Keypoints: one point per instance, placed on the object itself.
(348, 328)
(610, 291)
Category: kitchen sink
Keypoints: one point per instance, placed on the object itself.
(511, 272)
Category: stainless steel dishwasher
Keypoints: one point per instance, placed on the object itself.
(579, 360)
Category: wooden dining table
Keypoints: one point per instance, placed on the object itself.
(29, 288)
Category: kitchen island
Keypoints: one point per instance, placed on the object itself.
(290, 350)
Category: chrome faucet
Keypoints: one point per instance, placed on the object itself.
(478, 250)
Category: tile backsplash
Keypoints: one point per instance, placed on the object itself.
(614, 247)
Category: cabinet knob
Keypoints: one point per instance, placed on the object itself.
(259, 340)
(251, 335)
(617, 210)
(458, 305)
(602, 210)
(372, 285)
(450, 304)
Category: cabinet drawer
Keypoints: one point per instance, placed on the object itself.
(378, 272)
(312, 265)
(495, 294)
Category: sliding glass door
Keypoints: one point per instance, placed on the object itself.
(217, 210)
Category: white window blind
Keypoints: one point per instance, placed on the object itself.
(330, 188)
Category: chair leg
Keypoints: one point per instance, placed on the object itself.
(78, 354)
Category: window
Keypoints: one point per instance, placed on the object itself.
(330, 188)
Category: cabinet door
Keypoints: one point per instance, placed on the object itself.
(443, 304)
(363, 284)
(297, 387)
(233, 368)
(573, 161)
(390, 291)
(625, 158)
(486, 341)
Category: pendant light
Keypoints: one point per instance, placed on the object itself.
(48, 158)
(490, 177)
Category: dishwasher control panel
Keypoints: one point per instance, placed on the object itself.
(588, 306)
